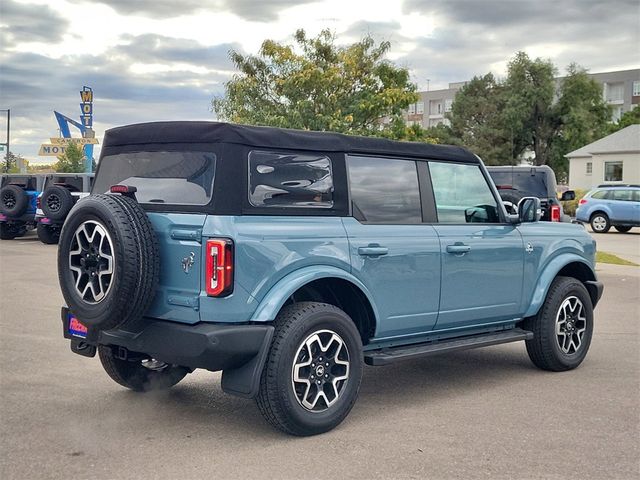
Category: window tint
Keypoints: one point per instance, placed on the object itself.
(462, 194)
(176, 178)
(612, 171)
(600, 194)
(290, 180)
(384, 190)
(623, 195)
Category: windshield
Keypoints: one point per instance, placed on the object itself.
(528, 183)
(176, 178)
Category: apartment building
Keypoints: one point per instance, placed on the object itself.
(621, 90)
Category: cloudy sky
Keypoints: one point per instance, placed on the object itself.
(153, 60)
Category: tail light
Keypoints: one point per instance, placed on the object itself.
(555, 213)
(582, 201)
(219, 273)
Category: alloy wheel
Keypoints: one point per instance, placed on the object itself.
(320, 370)
(91, 261)
(571, 324)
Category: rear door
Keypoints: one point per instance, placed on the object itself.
(482, 258)
(393, 253)
(622, 206)
(173, 187)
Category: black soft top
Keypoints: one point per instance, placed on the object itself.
(269, 137)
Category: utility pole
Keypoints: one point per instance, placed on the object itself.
(7, 144)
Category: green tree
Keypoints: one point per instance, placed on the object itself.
(11, 163)
(632, 117)
(72, 160)
(529, 106)
(477, 121)
(582, 116)
(318, 85)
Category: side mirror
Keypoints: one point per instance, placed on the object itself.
(568, 195)
(529, 209)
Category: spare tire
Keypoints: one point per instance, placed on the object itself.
(56, 202)
(14, 201)
(108, 261)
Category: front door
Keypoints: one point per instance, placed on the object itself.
(482, 258)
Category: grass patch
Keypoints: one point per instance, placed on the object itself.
(604, 257)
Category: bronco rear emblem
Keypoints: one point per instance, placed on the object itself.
(187, 262)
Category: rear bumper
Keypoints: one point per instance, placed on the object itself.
(239, 350)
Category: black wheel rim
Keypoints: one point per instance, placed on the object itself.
(53, 203)
(9, 200)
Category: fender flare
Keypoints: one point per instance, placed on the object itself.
(277, 295)
(547, 276)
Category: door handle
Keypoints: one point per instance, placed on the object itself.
(458, 248)
(372, 250)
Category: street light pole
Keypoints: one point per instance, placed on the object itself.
(8, 141)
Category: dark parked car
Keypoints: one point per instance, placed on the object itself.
(514, 183)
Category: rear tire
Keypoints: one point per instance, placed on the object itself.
(600, 222)
(563, 327)
(622, 229)
(14, 201)
(7, 232)
(312, 375)
(135, 376)
(48, 235)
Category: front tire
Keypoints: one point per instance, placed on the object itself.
(600, 222)
(313, 372)
(48, 235)
(563, 327)
(133, 374)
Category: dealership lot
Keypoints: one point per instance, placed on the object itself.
(476, 414)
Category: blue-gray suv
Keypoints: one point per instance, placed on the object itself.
(610, 205)
(290, 259)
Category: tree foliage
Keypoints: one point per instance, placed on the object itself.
(477, 120)
(318, 85)
(529, 112)
(11, 162)
(72, 160)
(632, 117)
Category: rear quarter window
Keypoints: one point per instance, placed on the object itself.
(278, 179)
(174, 178)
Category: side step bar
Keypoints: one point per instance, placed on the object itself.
(387, 356)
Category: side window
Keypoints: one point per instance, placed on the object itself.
(290, 180)
(462, 194)
(600, 195)
(384, 190)
(623, 195)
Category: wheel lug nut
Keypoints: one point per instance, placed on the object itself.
(327, 364)
(313, 364)
(319, 382)
(326, 375)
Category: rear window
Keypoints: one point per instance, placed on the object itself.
(72, 181)
(176, 178)
(290, 180)
(529, 184)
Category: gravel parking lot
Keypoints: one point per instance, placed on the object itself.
(479, 414)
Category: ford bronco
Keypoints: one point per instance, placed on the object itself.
(290, 259)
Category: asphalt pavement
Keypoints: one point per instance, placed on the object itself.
(484, 413)
(624, 245)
